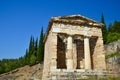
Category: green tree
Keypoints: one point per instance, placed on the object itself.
(36, 46)
(104, 30)
(113, 32)
(31, 46)
(32, 59)
(1, 67)
(27, 57)
(30, 51)
(115, 27)
(110, 28)
(114, 36)
(40, 52)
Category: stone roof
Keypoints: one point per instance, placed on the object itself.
(73, 19)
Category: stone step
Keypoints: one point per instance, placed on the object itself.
(74, 75)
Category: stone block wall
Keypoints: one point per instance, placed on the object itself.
(50, 53)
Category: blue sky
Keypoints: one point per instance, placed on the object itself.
(19, 19)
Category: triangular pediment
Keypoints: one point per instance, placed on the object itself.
(78, 18)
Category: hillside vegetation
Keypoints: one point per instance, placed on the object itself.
(34, 54)
(110, 33)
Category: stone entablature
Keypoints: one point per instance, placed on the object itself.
(73, 43)
(76, 29)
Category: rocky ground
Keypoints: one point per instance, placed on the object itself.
(113, 63)
(24, 73)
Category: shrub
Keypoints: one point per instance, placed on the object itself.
(113, 37)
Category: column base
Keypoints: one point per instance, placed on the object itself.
(69, 64)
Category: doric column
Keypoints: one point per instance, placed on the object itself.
(87, 53)
(69, 60)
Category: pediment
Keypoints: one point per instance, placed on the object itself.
(78, 18)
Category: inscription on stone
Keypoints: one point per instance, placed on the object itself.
(56, 30)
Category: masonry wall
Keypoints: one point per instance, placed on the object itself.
(99, 55)
(47, 56)
(50, 52)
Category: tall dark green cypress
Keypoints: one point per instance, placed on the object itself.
(27, 57)
(40, 53)
(31, 49)
(31, 45)
(36, 47)
(104, 29)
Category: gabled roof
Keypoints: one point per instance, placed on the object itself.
(76, 19)
(73, 19)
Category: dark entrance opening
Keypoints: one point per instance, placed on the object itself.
(80, 51)
(61, 55)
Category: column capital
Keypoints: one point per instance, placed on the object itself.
(69, 35)
(55, 34)
(87, 36)
(69, 42)
(72, 35)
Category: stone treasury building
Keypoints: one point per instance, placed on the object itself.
(73, 44)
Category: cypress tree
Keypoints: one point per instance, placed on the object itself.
(31, 46)
(33, 59)
(36, 46)
(27, 57)
(40, 53)
(31, 50)
(104, 30)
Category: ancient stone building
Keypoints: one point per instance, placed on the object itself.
(73, 44)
